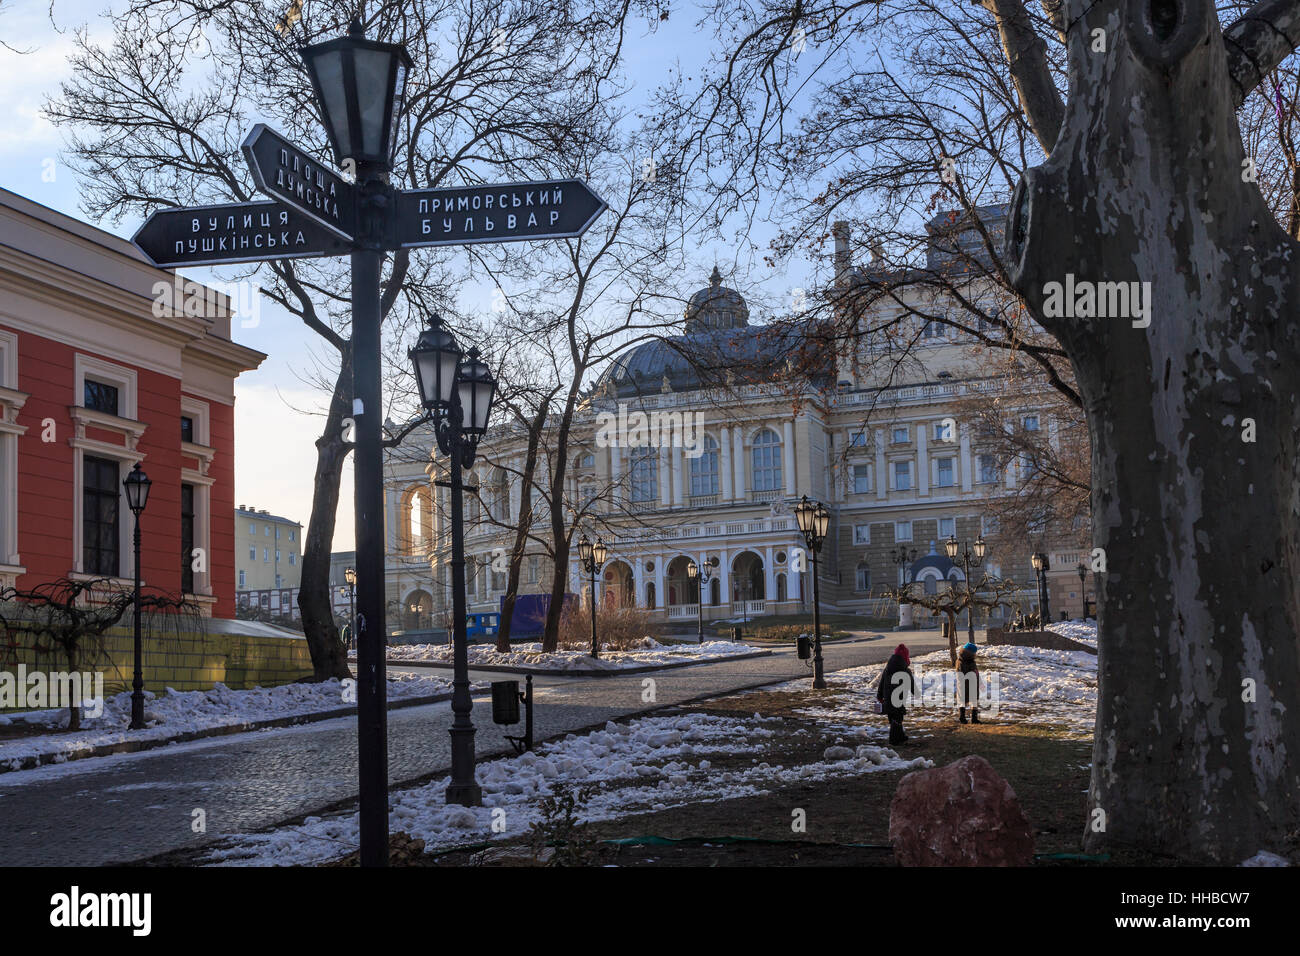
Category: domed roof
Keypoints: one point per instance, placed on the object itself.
(716, 307)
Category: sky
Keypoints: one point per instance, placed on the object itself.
(277, 411)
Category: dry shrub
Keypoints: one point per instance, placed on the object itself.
(618, 628)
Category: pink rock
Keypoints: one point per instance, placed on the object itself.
(963, 814)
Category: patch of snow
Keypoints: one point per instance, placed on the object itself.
(1265, 858)
(649, 653)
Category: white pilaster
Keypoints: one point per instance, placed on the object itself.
(922, 459)
(738, 446)
(769, 575)
(724, 463)
(965, 459)
(882, 474)
(676, 464)
(788, 478)
(665, 477)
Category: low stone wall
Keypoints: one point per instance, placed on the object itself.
(1048, 639)
(185, 660)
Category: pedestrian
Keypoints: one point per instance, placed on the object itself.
(896, 685)
(968, 683)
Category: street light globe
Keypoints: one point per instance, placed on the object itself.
(137, 485)
(435, 357)
(476, 388)
(350, 575)
(951, 547)
(599, 552)
(803, 515)
(691, 570)
(821, 522)
(584, 549)
(980, 547)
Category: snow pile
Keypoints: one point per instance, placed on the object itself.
(1033, 685)
(650, 653)
(646, 765)
(1084, 632)
(181, 712)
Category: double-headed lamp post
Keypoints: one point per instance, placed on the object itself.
(814, 521)
(593, 558)
(458, 390)
(704, 574)
(1041, 567)
(968, 560)
(360, 86)
(137, 486)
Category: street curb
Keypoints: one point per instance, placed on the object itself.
(556, 672)
(136, 746)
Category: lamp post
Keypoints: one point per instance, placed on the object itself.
(903, 559)
(459, 394)
(360, 85)
(704, 574)
(814, 521)
(137, 486)
(592, 557)
(1041, 567)
(968, 560)
(1082, 569)
(350, 575)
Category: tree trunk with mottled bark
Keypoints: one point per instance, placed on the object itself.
(1193, 420)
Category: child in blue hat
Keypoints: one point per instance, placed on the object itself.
(968, 683)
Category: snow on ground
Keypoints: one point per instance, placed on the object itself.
(1017, 684)
(645, 765)
(649, 654)
(1085, 632)
(180, 712)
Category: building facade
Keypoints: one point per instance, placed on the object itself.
(104, 362)
(686, 449)
(267, 550)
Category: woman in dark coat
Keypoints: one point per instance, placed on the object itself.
(896, 685)
(968, 683)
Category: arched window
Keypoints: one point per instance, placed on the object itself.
(780, 587)
(704, 470)
(765, 458)
(645, 474)
(715, 589)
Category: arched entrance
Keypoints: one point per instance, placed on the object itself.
(681, 589)
(618, 589)
(747, 579)
(417, 611)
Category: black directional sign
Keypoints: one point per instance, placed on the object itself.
(554, 209)
(236, 232)
(285, 172)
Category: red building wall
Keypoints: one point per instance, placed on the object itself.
(46, 480)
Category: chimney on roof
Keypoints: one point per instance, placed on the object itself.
(843, 258)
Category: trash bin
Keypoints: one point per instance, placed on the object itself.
(804, 644)
(735, 633)
(505, 701)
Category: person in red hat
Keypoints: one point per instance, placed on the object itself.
(896, 686)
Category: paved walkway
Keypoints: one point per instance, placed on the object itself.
(127, 807)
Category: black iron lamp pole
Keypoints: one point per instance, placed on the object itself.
(1041, 567)
(701, 574)
(1083, 588)
(137, 486)
(350, 575)
(814, 521)
(592, 557)
(360, 86)
(459, 394)
(968, 560)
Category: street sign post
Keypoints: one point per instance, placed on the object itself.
(284, 172)
(233, 232)
(315, 212)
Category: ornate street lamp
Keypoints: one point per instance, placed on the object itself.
(592, 556)
(814, 521)
(969, 559)
(360, 85)
(1082, 569)
(1041, 567)
(137, 485)
(705, 575)
(459, 396)
(350, 575)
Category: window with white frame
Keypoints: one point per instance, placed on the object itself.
(944, 473)
(858, 440)
(765, 459)
(645, 474)
(11, 403)
(942, 431)
(988, 469)
(902, 531)
(1031, 423)
(863, 577)
(252, 529)
(902, 475)
(252, 552)
(899, 435)
(243, 578)
(704, 470)
(947, 528)
(862, 534)
(861, 479)
(266, 555)
(988, 524)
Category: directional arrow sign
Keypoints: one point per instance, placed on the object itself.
(285, 172)
(555, 209)
(237, 232)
